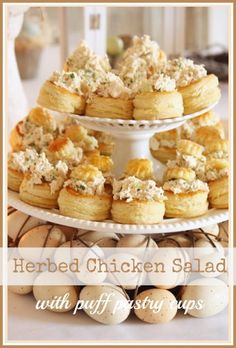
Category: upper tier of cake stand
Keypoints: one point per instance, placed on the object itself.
(131, 137)
(167, 226)
(128, 127)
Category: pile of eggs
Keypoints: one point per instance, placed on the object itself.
(25, 231)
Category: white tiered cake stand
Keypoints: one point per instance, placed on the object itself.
(131, 139)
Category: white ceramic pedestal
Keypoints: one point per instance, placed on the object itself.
(132, 137)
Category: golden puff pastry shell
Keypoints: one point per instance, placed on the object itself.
(164, 154)
(60, 99)
(206, 134)
(38, 195)
(85, 172)
(188, 147)
(137, 212)
(172, 134)
(158, 105)
(219, 193)
(103, 163)
(107, 107)
(180, 173)
(186, 205)
(217, 164)
(141, 168)
(76, 133)
(217, 145)
(14, 179)
(200, 94)
(85, 207)
(209, 117)
(61, 148)
(40, 117)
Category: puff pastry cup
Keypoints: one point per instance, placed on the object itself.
(163, 145)
(137, 201)
(62, 148)
(141, 168)
(18, 164)
(14, 179)
(200, 94)
(42, 183)
(57, 98)
(207, 134)
(108, 107)
(39, 195)
(217, 173)
(21, 136)
(186, 196)
(84, 196)
(157, 105)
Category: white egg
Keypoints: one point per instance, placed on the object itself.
(213, 230)
(115, 308)
(203, 247)
(102, 239)
(128, 279)
(39, 237)
(48, 294)
(211, 294)
(176, 240)
(23, 281)
(136, 241)
(161, 306)
(19, 223)
(213, 265)
(68, 252)
(165, 277)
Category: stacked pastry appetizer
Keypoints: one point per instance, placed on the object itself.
(139, 62)
(42, 183)
(186, 195)
(84, 195)
(111, 99)
(207, 134)
(190, 155)
(198, 89)
(158, 99)
(163, 145)
(62, 148)
(36, 131)
(137, 201)
(19, 163)
(217, 176)
(208, 119)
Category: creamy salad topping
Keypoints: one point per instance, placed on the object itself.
(218, 155)
(188, 129)
(133, 72)
(84, 58)
(112, 86)
(162, 83)
(132, 188)
(214, 174)
(68, 80)
(34, 136)
(184, 71)
(181, 185)
(22, 160)
(44, 171)
(197, 164)
(93, 187)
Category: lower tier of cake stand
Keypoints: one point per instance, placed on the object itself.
(167, 226)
